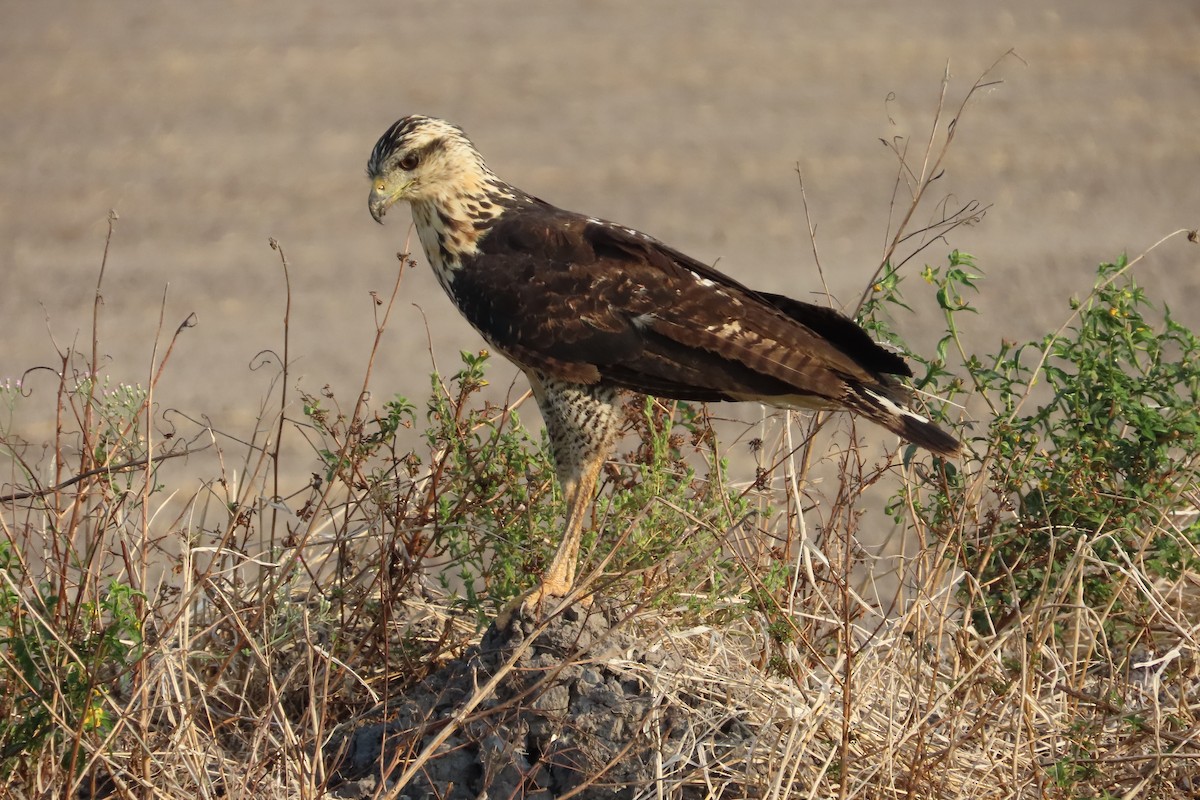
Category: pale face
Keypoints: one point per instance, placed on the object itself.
(423, 160)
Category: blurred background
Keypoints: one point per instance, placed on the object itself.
(211, 127)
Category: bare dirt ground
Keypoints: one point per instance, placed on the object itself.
(210, 127)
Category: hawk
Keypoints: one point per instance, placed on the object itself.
(589, 309)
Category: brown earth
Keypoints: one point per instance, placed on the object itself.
(211, 127)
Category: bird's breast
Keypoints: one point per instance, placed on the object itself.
(443, 243)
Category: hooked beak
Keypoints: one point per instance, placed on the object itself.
(382, 198)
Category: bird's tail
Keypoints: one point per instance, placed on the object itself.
(876, 406)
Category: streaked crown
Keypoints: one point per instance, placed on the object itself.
(422, 138)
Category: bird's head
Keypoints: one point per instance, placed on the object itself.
(422, 159)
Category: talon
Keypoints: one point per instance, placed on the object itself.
(540, 602)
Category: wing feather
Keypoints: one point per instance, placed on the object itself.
(587, 301)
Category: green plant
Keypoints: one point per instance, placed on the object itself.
(471, 508)
(1104, 460)
(1090, 445)
(668, 500)
(493, 477)
(60, 662)
(479, 508)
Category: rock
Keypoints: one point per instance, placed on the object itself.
(574, 712)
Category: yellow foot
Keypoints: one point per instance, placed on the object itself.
(539, 603)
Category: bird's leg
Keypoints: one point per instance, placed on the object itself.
(559, 578)
(582, 422)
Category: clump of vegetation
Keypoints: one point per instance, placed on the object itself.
(1089, 449)
(1102, 468)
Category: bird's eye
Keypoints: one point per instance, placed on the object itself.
(409, 162)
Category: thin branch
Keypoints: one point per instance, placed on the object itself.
(112, 469)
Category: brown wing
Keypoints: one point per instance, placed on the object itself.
(587, 301)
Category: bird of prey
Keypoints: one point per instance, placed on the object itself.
(589, 309)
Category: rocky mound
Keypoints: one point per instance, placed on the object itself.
(575, 706)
